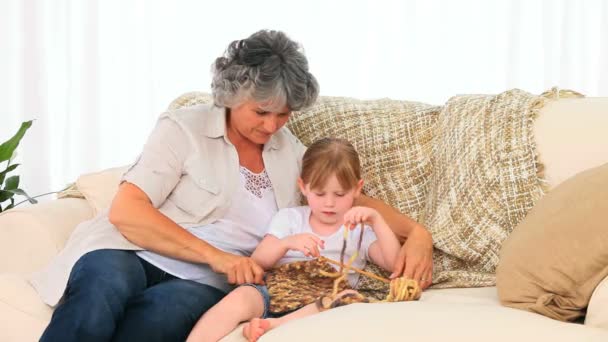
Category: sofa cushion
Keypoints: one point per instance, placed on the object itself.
(21, 306)
(485, 179)
(597, 312)
(31, 235)
(558, 254)
(99, 188)
(440, 315)
(571, 137)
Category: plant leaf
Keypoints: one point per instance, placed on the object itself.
(5, 195)
(23, 193)
(10, 160)
(9, 146)
(3, 173)
(11, 183)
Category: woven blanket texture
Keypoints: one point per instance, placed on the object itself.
(486, 177)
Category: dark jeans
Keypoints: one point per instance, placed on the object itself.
(113, 295)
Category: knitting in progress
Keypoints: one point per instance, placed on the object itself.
(294, 285)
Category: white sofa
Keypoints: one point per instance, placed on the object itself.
(31, 236)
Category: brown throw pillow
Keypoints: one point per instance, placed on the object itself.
(558, 254)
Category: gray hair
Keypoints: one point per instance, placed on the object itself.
(268, 68)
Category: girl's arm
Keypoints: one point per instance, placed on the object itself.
(272, 249)
(415, 259)
(269, 251)
(385, 249)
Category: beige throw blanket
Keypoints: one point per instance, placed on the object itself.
(486, 176)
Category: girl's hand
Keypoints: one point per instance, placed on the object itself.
(358, 215)
(306, 243)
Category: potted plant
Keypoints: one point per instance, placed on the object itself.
(9, 186)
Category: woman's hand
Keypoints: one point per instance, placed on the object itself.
(306, 243)
(238, 269)
(415, 259)
(356, 215)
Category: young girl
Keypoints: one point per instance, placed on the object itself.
(330, 181)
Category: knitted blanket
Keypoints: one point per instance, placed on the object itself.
(485, 177)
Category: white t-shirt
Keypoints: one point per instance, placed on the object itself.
(238, 232)
(291, 221)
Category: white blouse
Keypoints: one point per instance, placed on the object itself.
(238, 232)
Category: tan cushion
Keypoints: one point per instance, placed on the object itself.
(597, 312)
(484, 182)
(393, 139)
(558, 254)
(23, 316)
(99, 188)
(571, 137)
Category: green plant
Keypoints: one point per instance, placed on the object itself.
(9, 186)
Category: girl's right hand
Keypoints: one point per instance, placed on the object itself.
(306, 243)
(238, 269)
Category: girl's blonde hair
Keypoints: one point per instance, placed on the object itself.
(331, 156)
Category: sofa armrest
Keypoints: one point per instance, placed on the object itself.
(31, 236)
(23, 316)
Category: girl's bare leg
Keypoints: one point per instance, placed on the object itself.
(242, 304)
(258, 326)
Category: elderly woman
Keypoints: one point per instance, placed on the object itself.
(192, 208)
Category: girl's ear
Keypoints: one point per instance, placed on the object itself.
(301, 186)
(359, 187)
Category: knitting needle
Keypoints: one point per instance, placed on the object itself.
(371, 275)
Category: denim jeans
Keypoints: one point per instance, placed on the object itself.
(113, 295)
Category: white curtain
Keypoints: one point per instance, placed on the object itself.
(95, 74)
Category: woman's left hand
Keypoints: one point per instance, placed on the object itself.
(415, 260)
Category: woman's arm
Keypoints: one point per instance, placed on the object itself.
(415, 258)
(141, 223)
(401, 224)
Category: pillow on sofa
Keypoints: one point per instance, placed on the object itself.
(558, 254)
(99, 188)
(393, 139)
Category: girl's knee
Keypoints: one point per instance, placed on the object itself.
(250, 297)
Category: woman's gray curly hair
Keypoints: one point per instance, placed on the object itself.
(267, 67)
